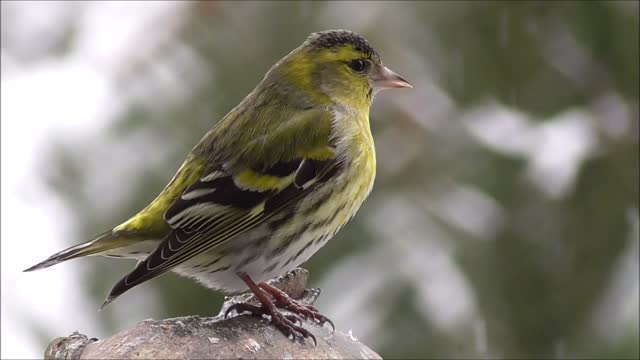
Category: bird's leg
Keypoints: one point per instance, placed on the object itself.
(285, 323)
(284, 301)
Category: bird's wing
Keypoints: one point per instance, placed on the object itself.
(224, 203)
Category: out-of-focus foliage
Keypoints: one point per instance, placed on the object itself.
(504, 220)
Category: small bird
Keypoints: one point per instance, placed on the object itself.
(267, 186)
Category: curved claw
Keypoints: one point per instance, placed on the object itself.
(315, 342)
(309, 312)
(306, 334)
(333, 327)
(289, 328)
(321, 320)
(230, 309)
(243, 307)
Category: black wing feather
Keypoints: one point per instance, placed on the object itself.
(194, 237)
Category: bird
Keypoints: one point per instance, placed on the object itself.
(267, 186)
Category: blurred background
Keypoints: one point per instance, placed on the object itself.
(504, 220)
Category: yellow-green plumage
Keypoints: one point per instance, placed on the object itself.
(271, 182)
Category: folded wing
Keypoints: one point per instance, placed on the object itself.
(223, 204)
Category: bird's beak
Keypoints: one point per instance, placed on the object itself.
(384, 78)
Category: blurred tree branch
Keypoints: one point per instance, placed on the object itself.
(193, 337)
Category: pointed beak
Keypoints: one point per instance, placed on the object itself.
(384, 78)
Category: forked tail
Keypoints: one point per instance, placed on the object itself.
(102, 242)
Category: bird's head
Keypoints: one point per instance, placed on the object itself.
(338, 66)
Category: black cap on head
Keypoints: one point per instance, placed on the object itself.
(336, 38)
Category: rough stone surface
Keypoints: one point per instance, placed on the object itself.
(193, 337)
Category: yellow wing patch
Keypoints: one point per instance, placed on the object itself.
(321, 154)
(251, 180)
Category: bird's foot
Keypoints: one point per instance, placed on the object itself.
(286, 323)
(284, 301)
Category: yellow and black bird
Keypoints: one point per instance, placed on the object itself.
(268, 185)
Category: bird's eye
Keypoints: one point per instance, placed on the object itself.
(358, 65)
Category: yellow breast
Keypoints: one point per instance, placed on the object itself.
(350, 188)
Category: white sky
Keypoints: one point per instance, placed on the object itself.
(72, 97)
(50, 98)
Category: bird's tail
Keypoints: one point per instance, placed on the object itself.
(103, 242)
